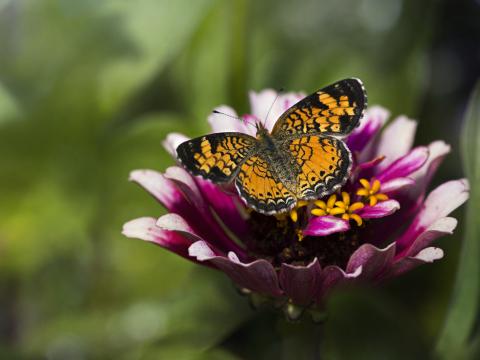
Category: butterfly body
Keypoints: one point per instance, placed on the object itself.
(300, 159)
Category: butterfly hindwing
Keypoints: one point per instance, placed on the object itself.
(333, 110)
(260, 188)
(323, 163)
(216, 156)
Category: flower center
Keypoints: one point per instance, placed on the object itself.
(280, 238)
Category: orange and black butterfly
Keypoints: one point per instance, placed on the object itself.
(301, 159)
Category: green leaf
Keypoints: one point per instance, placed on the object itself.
(464, 305)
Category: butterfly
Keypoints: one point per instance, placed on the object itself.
(302, 158)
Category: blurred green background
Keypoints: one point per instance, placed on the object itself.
(88, 90)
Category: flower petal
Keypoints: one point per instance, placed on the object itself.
(266, 102)
(222, 123)
(172, 141)
(226, 207)
(258, 276)
(325, 225)
(301, 283)
(145, 229)
(187, 185)
(396, 140)
(174, 222)
(333, 276)
(405, 165)
(437, 151)
(427, 255)
(161, 188)
(381, 209)
(374, 119)
(372, 260)
(396, 184)
(439, 203)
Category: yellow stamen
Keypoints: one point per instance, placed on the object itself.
(357, 219)
(356, 206)
(370, 191)
(300, 235)
(331, 201)
(294, 212)
(365, 183)
(337, 211)
(339, 208)
(294, 215)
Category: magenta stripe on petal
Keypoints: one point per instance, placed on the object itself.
(187, 184)
(438, 204)
(174, 222)
(258, 276)
(145, 229)
(396, 184)
(369, 126)
(226, 207)
(427, 255)
(325, 225)
(381, 209)
(372, 260)
(301, 283)
(405, 165)
(441, 227)
(158, 186)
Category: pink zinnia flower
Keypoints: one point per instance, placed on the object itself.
(379, 225)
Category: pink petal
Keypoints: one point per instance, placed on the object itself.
(263, 102)
(373, 121)
(443, 200)
(439, 203)
(186, 183)
(441, 227)
(325, 225)
(172, 141)
(258, 276)
(405, 165)
(161, 188)
(396, 140)
(301, 283)
(372, 260)
(174, 222)
(145, 229)
(333, 276)
(381, 209)
(222, 123)
(427, 255)
(226, 207)
(396, 184)
(437, 151)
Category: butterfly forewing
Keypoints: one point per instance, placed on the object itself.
(216, 156)
(333, 110)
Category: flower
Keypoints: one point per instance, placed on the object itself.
(379, 225)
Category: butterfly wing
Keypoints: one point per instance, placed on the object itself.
(260, 188)
(333, 110)
(216, 157)
(323, 165)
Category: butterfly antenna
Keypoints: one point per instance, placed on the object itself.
(271, 106)
(231, 116)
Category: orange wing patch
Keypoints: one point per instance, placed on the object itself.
(258, 186)
(334, 110)
(324, 165)
(216, 156)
